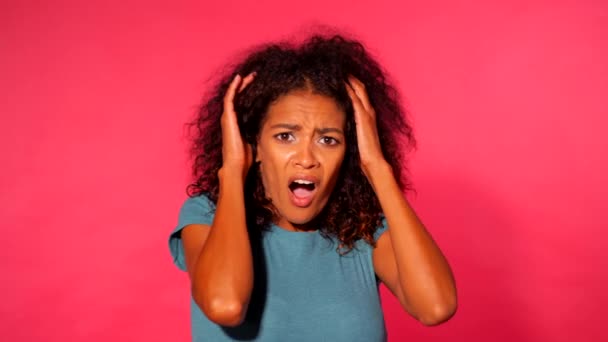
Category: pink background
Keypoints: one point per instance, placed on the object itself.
(508, 99)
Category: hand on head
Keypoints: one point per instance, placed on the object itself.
(236, 154)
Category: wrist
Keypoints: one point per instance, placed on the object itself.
(378, 171)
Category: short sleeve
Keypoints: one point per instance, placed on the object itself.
(195, 210)
(380, 230)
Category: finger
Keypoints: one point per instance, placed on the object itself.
(359, 89)
(229, 97)
(248, 79)
(357, 105)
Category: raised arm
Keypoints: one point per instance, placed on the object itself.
(218, 257)
(406, 259)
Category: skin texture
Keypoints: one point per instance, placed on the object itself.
(321, 64)
(407, 260)
(292, 140)
(302, 136)
(218, 257)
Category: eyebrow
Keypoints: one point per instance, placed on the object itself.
(324, 130)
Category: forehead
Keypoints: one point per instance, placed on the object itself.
(306, 108)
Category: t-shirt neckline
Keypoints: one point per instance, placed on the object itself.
(279, 230)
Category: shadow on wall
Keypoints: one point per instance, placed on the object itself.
(476, 231)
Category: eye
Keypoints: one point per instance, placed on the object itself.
(284, 136)
(329, 141)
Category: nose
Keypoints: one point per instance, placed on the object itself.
(306, 156)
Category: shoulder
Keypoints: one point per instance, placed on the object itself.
(199, 201)
(194, 210)
(197, 208)
(380, 229)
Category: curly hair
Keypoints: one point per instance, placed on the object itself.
(320, 64)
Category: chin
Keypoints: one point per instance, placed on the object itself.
(301, 220)
(303, 217)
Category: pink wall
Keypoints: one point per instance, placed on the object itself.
(508, 100)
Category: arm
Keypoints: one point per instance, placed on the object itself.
(218, 258)
(406, 259)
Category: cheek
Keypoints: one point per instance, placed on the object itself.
(264, 177)
(269, 175)
(339, 158)
(274, 160)
(334, 163)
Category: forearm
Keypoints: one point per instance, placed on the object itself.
(224, 272)
(425, 276)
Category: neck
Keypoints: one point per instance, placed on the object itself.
(304, 227)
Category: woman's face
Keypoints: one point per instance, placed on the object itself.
(300, 149)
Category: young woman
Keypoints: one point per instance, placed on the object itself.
(297, 210)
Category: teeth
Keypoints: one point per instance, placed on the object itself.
(301, 181)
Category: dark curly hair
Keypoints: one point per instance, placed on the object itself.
(321, 64)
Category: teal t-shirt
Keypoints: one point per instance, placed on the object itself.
(303, 289)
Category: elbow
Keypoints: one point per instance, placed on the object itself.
(225, 313)
(440, 314)
(222, 311)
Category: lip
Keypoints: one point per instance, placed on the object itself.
(309, 178)
(302, 202)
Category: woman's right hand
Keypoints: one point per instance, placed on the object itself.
(236, 154)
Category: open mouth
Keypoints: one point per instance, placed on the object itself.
(301, 186)
(302, 192)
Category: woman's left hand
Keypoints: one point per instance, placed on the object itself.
(368, 141)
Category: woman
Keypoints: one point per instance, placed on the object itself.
(299, 173)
